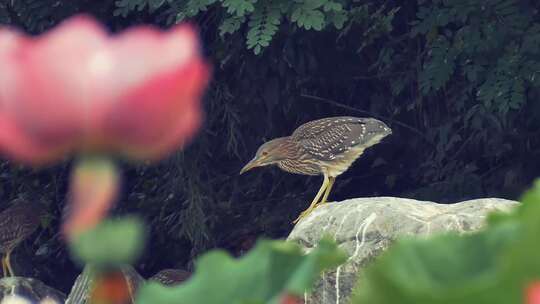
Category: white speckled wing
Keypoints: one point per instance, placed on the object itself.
(329, 139)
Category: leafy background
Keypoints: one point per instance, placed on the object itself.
(456, 80)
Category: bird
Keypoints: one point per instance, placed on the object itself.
(326, 146)
(17, 222)
(171, 277)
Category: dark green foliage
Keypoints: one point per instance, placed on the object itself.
(261, 17)
(35, 16)
(5, 18)
(456, 81)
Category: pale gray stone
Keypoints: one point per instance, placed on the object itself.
(31, 290)
(364, 227)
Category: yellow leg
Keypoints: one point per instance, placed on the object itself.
(315, 200)
(8, 264)
(331, 181)
(4, 268)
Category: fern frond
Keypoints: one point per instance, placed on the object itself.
(439, 66)
(230, 25)
(263, 25)
(239, 8)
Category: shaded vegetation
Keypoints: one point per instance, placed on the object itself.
(456, 80)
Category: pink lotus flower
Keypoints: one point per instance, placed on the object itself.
(76, 88)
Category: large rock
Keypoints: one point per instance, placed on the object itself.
(366, 226)
(29, 289)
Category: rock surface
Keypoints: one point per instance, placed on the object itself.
(364, 227)
(30, 289)
(81, 288)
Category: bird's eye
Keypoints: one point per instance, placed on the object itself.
(264, 153)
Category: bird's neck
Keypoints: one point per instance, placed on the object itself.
(289, 148)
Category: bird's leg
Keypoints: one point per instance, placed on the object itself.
(331, 181)
(315, 200)
(8, 264)
(4, 269)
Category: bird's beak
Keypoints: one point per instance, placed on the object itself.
(252, 164)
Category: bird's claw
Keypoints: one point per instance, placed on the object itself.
(304, 214)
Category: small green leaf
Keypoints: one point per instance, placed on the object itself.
(308, 18)
(124, 7)
(270, 270)
(337, 18)
(118, 241)
(239, 7)
(231, 25)
(194, 7)
(257, 49)
(332, 6)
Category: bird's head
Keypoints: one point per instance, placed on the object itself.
(32, 209)
(269, 153)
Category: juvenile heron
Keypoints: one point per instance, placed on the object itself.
(17, 222)
(325, 147)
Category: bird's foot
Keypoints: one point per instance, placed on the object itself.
(298, 218)
(303, 214)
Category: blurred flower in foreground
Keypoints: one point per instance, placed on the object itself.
(532, 293)
(76, 88)
(94, 186)
(111, 287)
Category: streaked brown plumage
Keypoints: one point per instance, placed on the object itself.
(170, 277)
(325, 147)
(17, 222)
